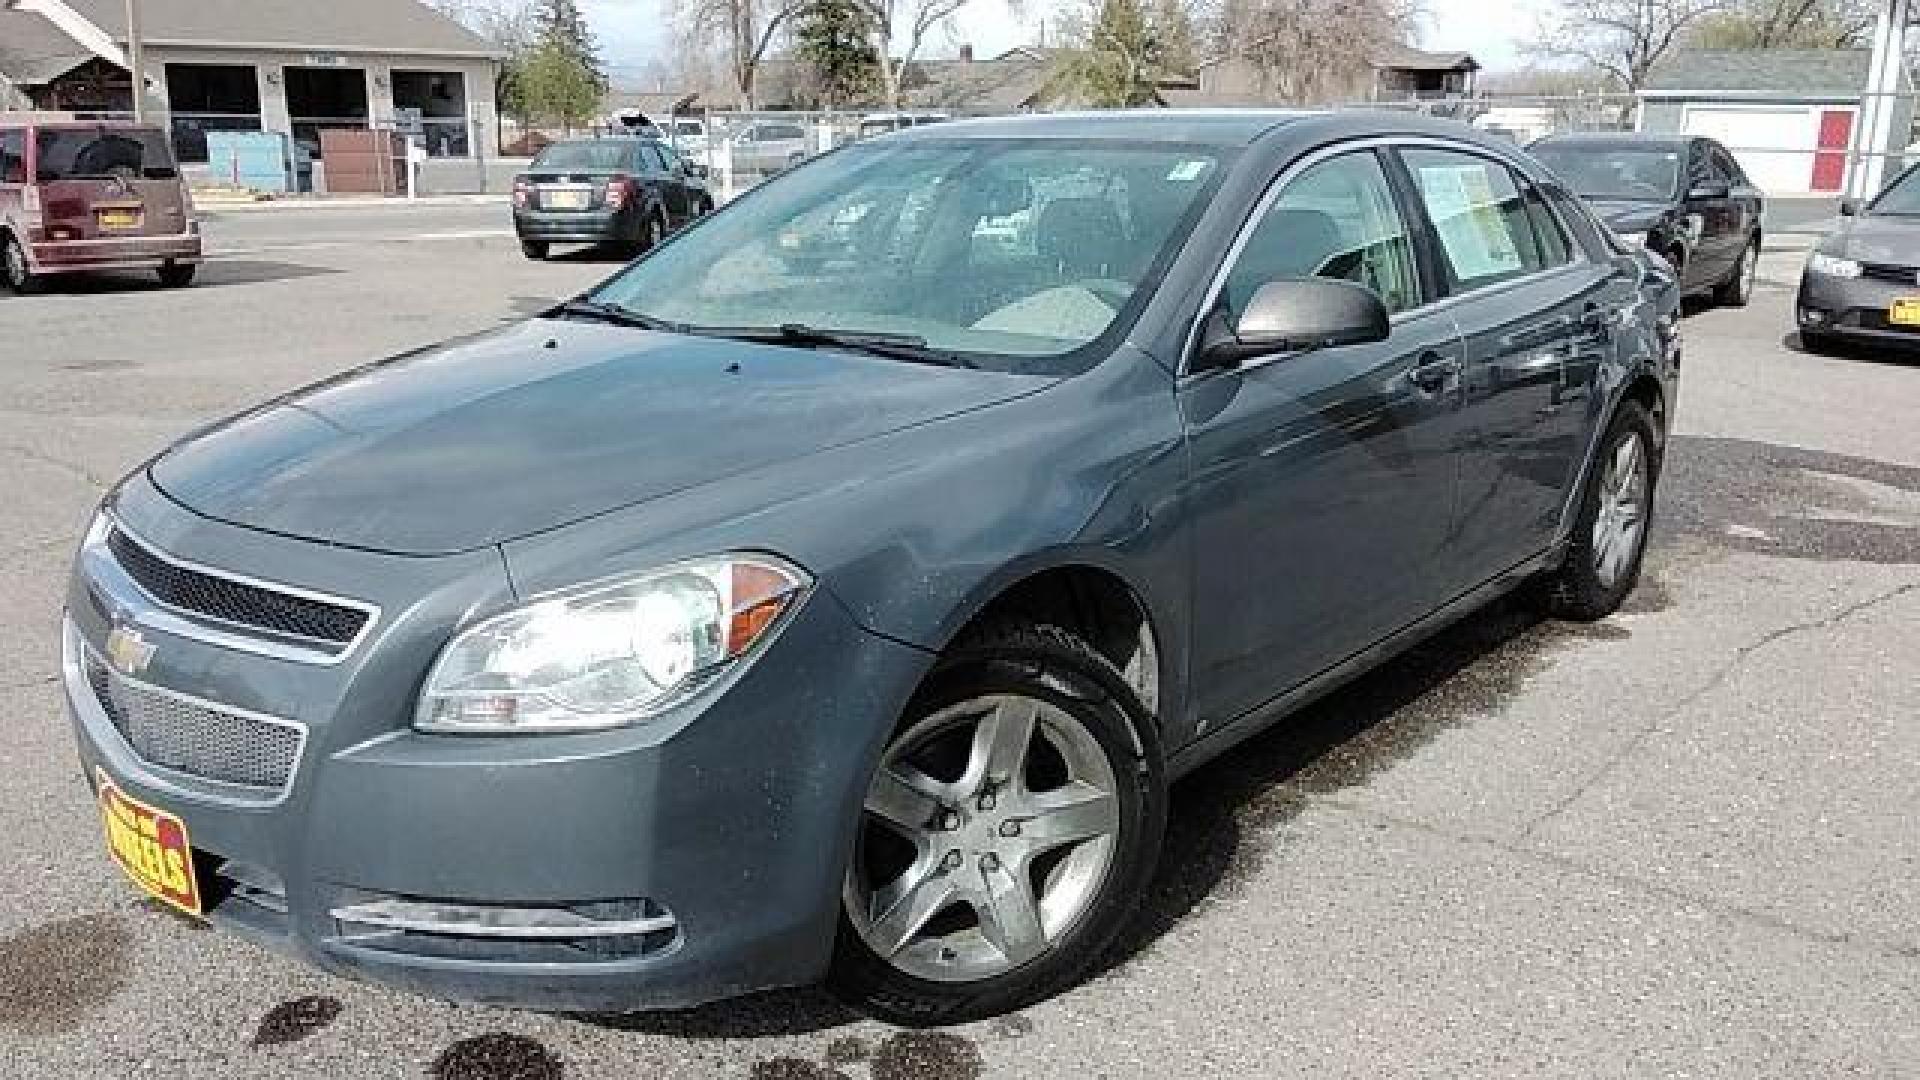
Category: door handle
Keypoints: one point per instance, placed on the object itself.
(1433, 373)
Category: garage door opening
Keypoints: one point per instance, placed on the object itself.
(325, 98)
(210, 97)
(441, 97)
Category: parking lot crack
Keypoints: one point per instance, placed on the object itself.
(1720, 677)
(1894, 950)
(91, 478)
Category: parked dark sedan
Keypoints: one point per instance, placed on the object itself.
(749, 621)
(626, 194)
(1862, 282)
(1685, 198)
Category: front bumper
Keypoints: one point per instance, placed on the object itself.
(115, 253)
(1854, 308)
(716, 836)
(570, 226)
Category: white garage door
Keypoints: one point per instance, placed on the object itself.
(1773, 143)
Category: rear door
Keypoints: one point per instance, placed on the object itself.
(1713, 214)
(102, 181)
(13, 175)
(1322, 482)
(664, 176)
(1534, 312)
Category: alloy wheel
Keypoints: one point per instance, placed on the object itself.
(1622, 518)
(987, 833)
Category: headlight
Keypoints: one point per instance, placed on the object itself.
(1633, 240)
(610, 655)
(1831, 266)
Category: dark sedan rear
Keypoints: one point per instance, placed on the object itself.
(622, 194)
(1862, 283)
(1684, 198)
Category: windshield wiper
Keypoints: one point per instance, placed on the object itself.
(581, 307)
(908, 347)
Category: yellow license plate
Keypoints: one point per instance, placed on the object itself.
(119, 219)
(566, 200)
(151, 845)
(1905, 312)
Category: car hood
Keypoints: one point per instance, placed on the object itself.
(1629, 215)
(1877, 238)
(540, 425)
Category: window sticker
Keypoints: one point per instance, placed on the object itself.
(1187, 171)
(1467, 214)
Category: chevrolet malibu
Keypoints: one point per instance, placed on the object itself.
(834, 593)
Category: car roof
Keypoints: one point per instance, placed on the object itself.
(1224, 127)
(1617, 140)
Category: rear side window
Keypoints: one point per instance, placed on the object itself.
(1475, 205)
(1555, 250)
(1727, 164)
(13, 157)
(103, 153)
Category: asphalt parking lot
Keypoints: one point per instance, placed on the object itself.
(1679, 842)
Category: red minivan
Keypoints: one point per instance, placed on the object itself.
(81, 195)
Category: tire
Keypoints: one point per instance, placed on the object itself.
(1084, 730)
(653, 232)
(13, 268)
(1602, 562)
(702, 209)
(177, 275)
(1737, 290)
(533, 249)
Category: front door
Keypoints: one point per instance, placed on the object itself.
(1535, 315)
(1322, 482)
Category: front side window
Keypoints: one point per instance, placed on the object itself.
(1478, 214)
(1730, 168)
(1010, 252)
(1555, 249)
(1901, 198)
(1338, 219)
(13, 157)
(103, 153)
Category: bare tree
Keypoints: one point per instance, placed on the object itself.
(744, 31)
(1787, 24)
(1625, 39)
(1312, 51)
(892, 23)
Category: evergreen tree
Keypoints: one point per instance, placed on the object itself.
(833, 40)
(1119, 59)
(561, 24)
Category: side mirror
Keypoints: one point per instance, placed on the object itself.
(1297, 315)
(1708, 192)
(1849, 207)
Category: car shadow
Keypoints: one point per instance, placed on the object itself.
(214, 274)
(1890, 354)
(1219, 811)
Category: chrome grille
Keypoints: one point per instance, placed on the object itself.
(235, 602)
(195, 738)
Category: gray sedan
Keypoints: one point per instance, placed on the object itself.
(834, 593)
(1862, 283)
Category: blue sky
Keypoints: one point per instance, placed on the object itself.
(633, 32)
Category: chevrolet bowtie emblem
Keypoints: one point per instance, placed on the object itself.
(128, 651)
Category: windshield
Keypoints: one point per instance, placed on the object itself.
(1902, 197)
(102, 153)
(584, 155)
(1614, 172)
(689, 127)
(1008, 249)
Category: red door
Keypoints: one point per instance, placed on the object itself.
(1830, 161)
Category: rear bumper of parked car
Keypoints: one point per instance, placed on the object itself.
(1854, 308)
(702, 851)
(115, 253)
(569, 226)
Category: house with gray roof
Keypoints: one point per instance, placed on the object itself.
(295, 66)
(1788, 115)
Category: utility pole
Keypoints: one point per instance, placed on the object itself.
(136, 62)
